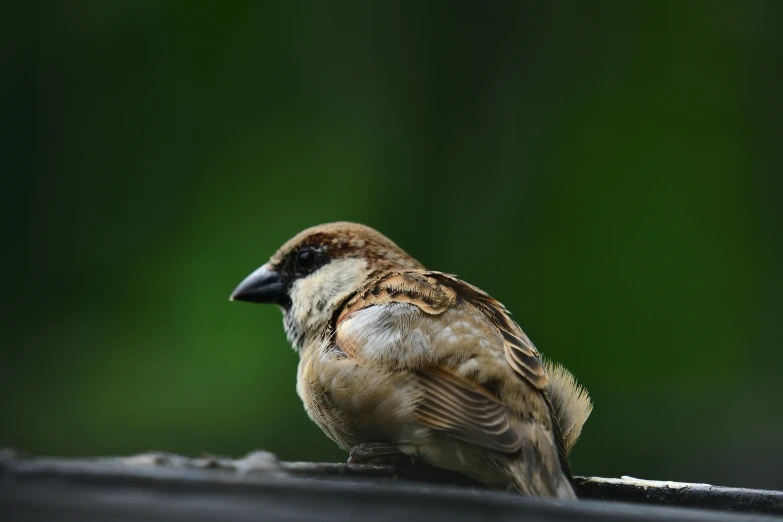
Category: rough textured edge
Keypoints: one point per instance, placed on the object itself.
(159, 486)
(683, 494)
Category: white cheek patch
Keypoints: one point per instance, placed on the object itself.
(314, 298)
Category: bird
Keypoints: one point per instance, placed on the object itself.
(397, 360)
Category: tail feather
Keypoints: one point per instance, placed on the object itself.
(536, 470)
(571, 402)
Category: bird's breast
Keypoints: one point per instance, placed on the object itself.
(354, 403)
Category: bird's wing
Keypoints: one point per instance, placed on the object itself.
(521, 355)
(434, 293)
(434, 325)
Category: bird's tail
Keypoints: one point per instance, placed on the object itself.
(571, 403)
(536, 470)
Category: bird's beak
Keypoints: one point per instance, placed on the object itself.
(262, 286)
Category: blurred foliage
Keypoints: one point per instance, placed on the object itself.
(611, 171)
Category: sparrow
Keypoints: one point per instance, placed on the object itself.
(399, 360)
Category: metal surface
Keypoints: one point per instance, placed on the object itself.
(258, 487)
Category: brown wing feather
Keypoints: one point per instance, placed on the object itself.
(520, 352)
(466, 411)
(417, 288)
(434, 293)
(521, 355)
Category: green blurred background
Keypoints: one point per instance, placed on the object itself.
(611, 171)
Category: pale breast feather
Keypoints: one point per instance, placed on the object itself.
(391, 333)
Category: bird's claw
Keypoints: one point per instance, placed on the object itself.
(382, 453)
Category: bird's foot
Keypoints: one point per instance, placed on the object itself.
(375, 453)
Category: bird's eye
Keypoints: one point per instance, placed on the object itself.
(306, 260)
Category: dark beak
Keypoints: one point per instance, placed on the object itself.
(262, 286)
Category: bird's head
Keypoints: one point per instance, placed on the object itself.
(316, 271)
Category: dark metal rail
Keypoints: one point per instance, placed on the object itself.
(259, 487)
